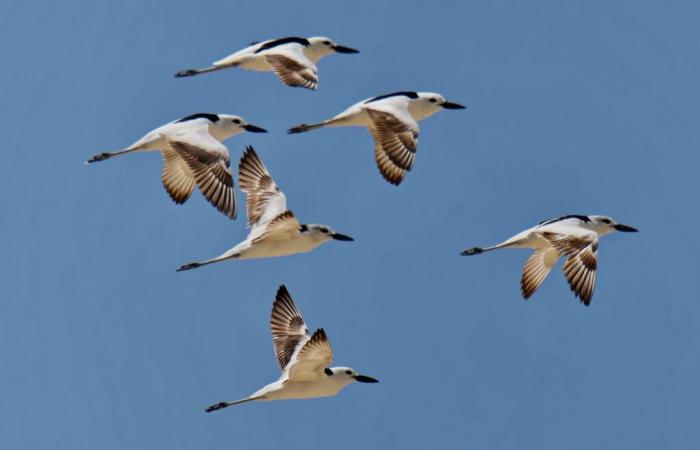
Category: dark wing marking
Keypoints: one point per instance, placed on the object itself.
(282, 41)
(287, 326)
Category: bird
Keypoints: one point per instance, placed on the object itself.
(193, 153)
(392, 120)
(572, 236)
(303, 359)
(274, 230)
(292, 59)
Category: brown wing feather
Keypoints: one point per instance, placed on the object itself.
(292, 73)
(580, 271)
(177, 177)
(257, 183)
(536, 269)
(287, 326)
(212, 174)
(398, 140)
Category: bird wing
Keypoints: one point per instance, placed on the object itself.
(581, 248)
(287, 326)
(279, 228)
(208, 160)
(536, 269)
(265, 200)
(177, 177)
(311, 358)
(395, 135)
(292, 67)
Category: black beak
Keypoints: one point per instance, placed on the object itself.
(626, 228)
(365, 379)
(254, 129)
(343, 49)
(450, 105)
(341, 237)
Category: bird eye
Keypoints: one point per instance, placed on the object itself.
(349, 372)
(323, 230)
(237, 121)
(328, 371)
(326, 42)
(432, 100)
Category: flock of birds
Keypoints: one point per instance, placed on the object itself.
(194, 154)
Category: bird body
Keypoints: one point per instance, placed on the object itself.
(193, 154)
(392, 120)
(275, 231)
(293, 59)
(573, 236)
(303, 359)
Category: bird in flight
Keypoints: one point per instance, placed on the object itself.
(303, 359)
(274, 230)
(292, 59)
(574, 237)
(392, 121)
(193, 153)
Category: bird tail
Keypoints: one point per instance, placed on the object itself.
(106, 155)
(222, 405)
(193, 72)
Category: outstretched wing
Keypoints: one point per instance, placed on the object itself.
(292, 67)
(536, 269)
(310, 360)
(287, 326)
(208, 162)
(395, 136)
(265, 200)
(580, 267)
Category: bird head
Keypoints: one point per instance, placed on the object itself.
(323, 233)
(320, 46)
(229, 125)
(604, 225)
(346, 375)
(428, 103)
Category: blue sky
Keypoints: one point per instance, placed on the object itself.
(574, 107)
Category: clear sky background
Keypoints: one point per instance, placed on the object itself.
(574, 107)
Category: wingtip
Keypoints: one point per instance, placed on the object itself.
(187, 266)
(298, 129)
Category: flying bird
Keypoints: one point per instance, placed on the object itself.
(303, 359)
(574, 237)
(274, 230)
(292, 59)
(392, 121)
(193, 153)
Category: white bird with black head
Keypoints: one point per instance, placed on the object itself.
(573, 236)
(292, 59)
(274, 230)
(392, 120)
(303, 359)
(193, 153)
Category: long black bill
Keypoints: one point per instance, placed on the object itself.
(626, 228)
(343, 49)
(451, 105)
(254, 129)
(366, 379)
(342, 237)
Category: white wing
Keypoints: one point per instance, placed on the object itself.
(207, 163)
(265, 201)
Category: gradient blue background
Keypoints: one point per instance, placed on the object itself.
(583, 107)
